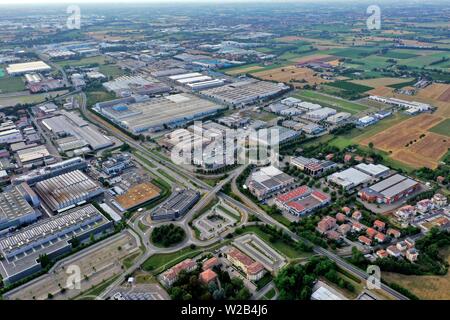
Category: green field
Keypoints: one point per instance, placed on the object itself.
(279, 245)
(350, 86)
(336, 103)
(353, 52)
(425, 61)
(82, 62)
(397, 54)
(111, 70)
(2, 73)
(442, 127)
(12, 84)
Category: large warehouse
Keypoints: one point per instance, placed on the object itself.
(14, 208)
(349, 179)
(302, 200)
(67, 190)
(22, 68)
(156, 114)
(77, 133)
(268, 180)
(389, 190)
(52, 236)
(245, 92)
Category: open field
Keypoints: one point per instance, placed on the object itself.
(11, 84)
(290, 74)
(82, 62)
(381, 82)
(442, 128)
(7, 101)
(398, 141)
(425, 287)
(243, 70)
(325, 100)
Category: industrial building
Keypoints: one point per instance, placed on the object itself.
(366, 121)
(412, 107)
(274, 136)
(349, 178)
(268, 180)
(123, 83)
(10, 136)
(67, 190)
(176, 206)
(159, 113)
(312, 166)
(117, 163)
(389, 190)
(302, 200)
(26, 67)
(338, 117)
(245, 92)
(137, 195)
(16, 207)
(373, 170)
(75, 133)
(34, 156)
(319, 114)
(52, 236)
(50, 171)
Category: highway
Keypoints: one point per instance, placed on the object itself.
(213, 191)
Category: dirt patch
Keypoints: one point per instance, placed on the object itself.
(445, 96)
(398, 140)
(291, 74)
(244, 70)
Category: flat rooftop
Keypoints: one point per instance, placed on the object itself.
(137, 195)
(27, 67)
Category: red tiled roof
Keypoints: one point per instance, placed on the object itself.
(296, 206)
(320, 196)
(240, 256)
(371, 232)
(380, 236)
(379, 223)
(255, 268)
(365, 240)
(291, 195)
(207, 276)
(210, 263)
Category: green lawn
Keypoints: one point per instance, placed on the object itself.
(442, 127)
(350, 86)
(111, 70)
(353, 52)
(98, 96)
(11, 84)
(270, 294)
(336, 103)
(280, 246)
(228, 212)
(82, 62)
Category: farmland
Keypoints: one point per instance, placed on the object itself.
(290, 74)
(442, 128)
(333, 102)
(411, 143)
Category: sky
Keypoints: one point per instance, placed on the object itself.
(149, 1)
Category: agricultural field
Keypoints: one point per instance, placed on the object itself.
(243, 69)
(411, 143)
(332, 102)
(398, 54)
(111, 70)
(381, 82)
(350, 86)
(291, 74)
(442, 128)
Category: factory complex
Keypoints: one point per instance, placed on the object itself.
(160, 113)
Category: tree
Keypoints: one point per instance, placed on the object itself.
(371, 145)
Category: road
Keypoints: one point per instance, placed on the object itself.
(168, 167)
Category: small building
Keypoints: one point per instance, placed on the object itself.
(210, 263)
(380, 237)
(364, 240)
(412, 254)
(382, 254)
(371, 232)
(357, 215)
(410, 242)
(358, 227)
(379, 225)
(340, 217)
(344, 228)
(207, 276)
(402, 246)
(393, 251)
(327, 223)
(393, 233)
